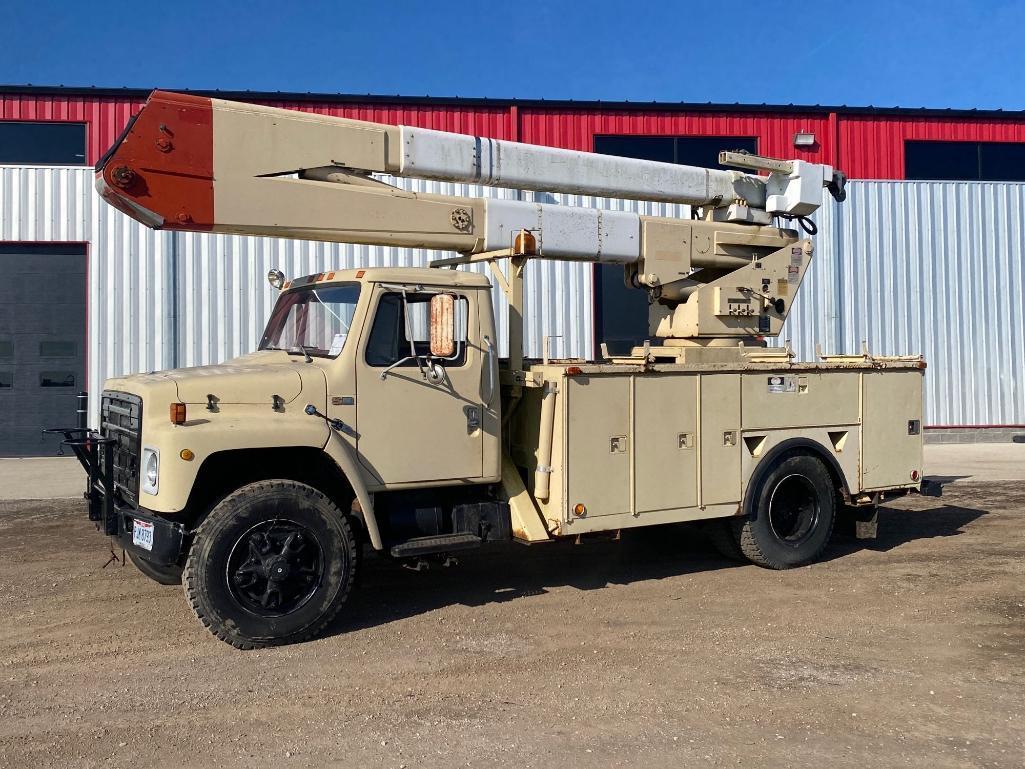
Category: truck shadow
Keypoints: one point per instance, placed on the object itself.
(898, 527)
(505, 571)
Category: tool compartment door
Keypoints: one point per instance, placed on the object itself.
(719, 438)
(891, 428)
(598, 444)
(665, 441)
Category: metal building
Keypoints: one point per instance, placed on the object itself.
(907, 266)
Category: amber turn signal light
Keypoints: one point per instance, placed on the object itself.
(525, 244)
(177, 413)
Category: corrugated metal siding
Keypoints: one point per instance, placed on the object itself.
(576, 129)
(494, 122)
(129, 303)
(106, 117)
(926, 267)
(222, 296)
(864, 146)
(225, 299)
(911, 267)
(872, 147)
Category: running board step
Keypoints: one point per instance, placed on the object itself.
(443, 543)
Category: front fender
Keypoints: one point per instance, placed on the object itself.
(342, 455)
(230, 428)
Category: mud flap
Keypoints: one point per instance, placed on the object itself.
(866, 522)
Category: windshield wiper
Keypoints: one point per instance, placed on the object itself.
(305, 352)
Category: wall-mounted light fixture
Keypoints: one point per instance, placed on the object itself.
(803, 139)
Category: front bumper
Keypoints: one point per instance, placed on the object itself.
(168, 536)
(107, 507)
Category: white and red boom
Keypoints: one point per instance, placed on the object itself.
(196, 163)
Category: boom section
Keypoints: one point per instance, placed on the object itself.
(195, 163)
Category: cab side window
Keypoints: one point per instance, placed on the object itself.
(389, 341)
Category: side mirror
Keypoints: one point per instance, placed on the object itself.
(443, 325)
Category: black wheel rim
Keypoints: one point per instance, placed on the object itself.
(275, 567)
(793, 510)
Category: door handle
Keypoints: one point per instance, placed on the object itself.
(472, 418)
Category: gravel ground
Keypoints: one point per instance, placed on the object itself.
(650, 651)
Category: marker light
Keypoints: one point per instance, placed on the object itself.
(177, 413)
(525, 243)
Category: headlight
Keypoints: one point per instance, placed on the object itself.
(150, 470)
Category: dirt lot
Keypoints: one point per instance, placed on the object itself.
(647, 652)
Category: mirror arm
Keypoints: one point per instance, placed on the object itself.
(399, 363)
(409, 337)
(491, 370)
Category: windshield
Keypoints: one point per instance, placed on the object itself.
(316, 319)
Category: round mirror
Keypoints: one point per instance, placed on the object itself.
(435, 372)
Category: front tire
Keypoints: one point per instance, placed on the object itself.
(272, 564)
(792, 514)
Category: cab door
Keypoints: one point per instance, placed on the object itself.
(413, 427)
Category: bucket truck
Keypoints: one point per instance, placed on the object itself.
(377, 414)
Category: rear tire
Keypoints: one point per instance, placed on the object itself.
(272, 564)
(165, 575)
(792, 512)
(721, 534)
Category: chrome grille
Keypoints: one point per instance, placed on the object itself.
(121, 419)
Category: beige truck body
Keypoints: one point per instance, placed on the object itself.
(632, 442)
(635, 446)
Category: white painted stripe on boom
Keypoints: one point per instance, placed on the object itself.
(565, 232)
(451, 157)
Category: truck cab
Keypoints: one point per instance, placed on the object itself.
(344, 367)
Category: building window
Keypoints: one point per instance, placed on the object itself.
(965, 161)
(57, 379)
(57, 349)
(45, 143)
(621, 312)
(701, 151)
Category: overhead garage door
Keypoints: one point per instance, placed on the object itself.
(42, 342)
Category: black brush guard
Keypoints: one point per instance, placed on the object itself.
(89, 447)
(113, 514)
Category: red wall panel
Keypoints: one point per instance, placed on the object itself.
(106, 116)
(872, 146)
(575, 129)
(864, 146)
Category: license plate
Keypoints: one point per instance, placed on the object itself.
(142, 534)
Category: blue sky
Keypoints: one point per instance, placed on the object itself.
(934, 54)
